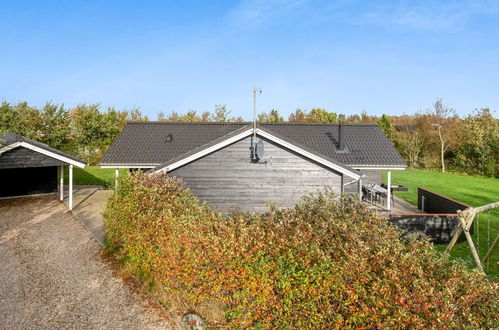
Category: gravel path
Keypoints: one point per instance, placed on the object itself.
(52, 274)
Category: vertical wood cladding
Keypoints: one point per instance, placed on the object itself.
(28, 181)
(435, 203)
(21, 157)
(226, 179)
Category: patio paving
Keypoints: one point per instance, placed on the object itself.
(89, 202)
(399, 206)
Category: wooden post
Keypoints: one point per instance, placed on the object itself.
(116, 174)
(61, 183)
(70, 187)
(342, 189)
(466, 216)
(470, 242)
(489, 252)
(360, 189)
(389, 193)
(466, 220)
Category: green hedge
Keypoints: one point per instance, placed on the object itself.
(329, 262)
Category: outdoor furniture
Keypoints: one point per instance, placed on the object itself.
(383, 192)
(396, 187)
(372, 193)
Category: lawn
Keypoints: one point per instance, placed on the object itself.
(471, 190)
(93, 175)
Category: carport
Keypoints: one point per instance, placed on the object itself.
(29, 167)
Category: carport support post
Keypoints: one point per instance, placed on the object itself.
(360, 189)
(116, 174)
(61, 183)
(70, 187)
(389, 188)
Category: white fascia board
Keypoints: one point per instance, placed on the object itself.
(309, 155)
(10, 147)
(205, 152)
(379, 168)
(42, 151)
(129, 166)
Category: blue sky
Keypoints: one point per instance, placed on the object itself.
(389, 57)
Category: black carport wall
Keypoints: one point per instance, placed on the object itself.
(28, 167)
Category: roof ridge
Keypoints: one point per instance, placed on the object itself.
(323, 124)
(156, 122)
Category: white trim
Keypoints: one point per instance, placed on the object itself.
(116, 175)
(70, 200)
(264, 134)
(389, 190)
(129, 166)
(10, 147)
(378, 168)
(27, 145)
(61, 183)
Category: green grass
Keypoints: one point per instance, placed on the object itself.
(471, 190)
(93, 175)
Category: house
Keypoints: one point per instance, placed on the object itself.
(30, 167)
(219, 163)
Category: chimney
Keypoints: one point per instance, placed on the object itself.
(341, 137)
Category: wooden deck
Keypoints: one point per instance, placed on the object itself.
(399, 206)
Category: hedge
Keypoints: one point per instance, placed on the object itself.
(329, 262)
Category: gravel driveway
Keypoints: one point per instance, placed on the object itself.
(52, 274)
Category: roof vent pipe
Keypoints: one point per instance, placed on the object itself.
(341, 137)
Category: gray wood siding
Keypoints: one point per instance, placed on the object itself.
(226, 179)
(21, 157)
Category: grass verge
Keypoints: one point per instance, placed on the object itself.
(471, 190)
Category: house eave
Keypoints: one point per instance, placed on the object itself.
(127, 165)
(377, 167)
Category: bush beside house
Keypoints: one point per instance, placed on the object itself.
(329, 262)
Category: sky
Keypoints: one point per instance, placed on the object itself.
(393, 57)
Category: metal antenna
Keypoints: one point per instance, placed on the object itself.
(255, 90)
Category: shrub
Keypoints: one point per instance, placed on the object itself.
(329, 262)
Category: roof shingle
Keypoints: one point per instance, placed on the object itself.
(145, 143)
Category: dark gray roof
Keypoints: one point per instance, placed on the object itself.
(366, 145)
(145, 143)
(11, 138)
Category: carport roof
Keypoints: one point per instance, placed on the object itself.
(11, 141)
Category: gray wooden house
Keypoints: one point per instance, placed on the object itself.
(232, 165)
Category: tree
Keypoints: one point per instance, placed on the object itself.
(318, 115)
(55, 130)
(190, 116)
(479, 152)
(221, 114)
(274, 117)
(299, 116)
(386, 126)
(94, 131)
(440, 112)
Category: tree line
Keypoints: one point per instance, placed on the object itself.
(436, 138)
